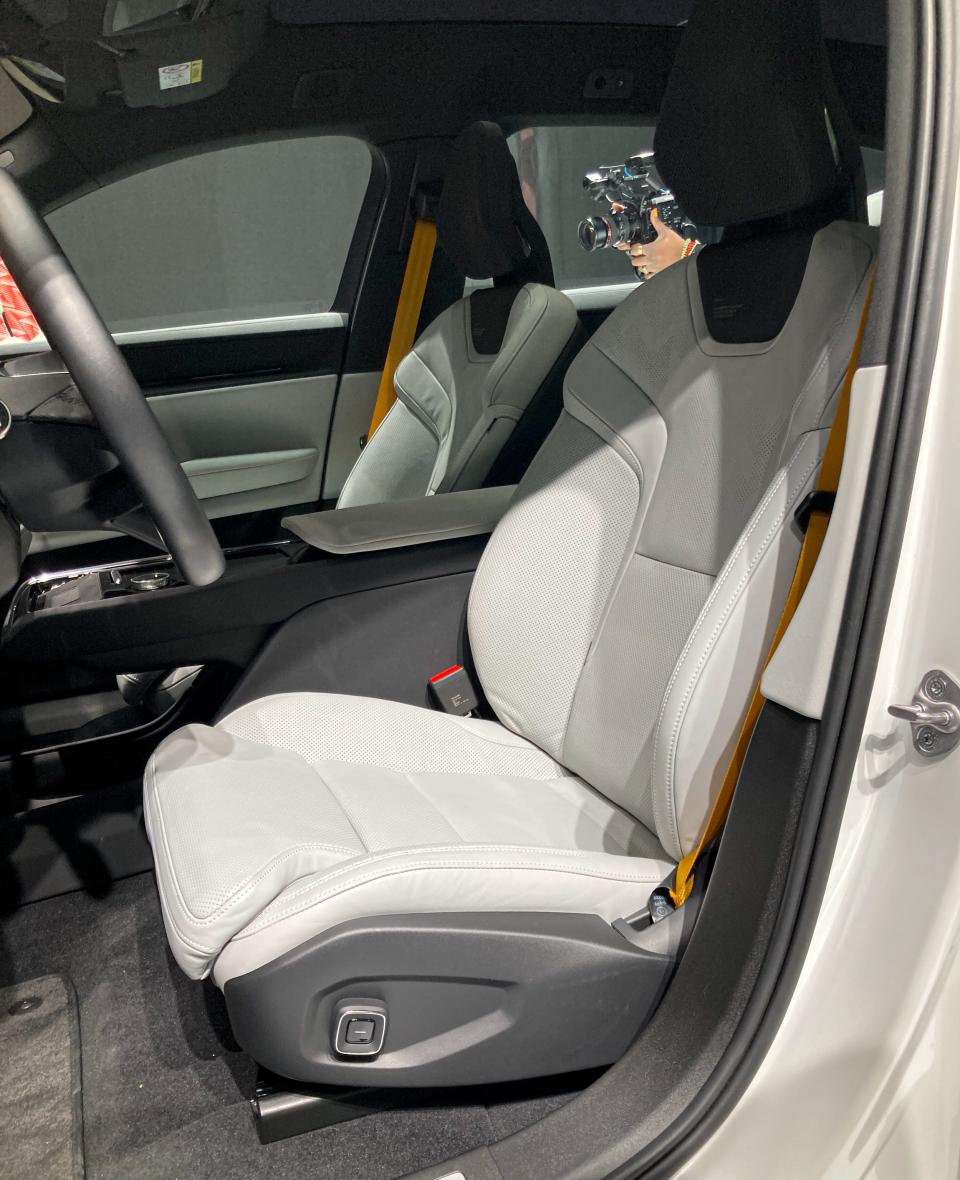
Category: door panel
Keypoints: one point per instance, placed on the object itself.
(227, 277)
(248, 413)
(251, 447)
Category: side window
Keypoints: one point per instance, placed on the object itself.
(247, 232)
(873, 163)
(552, 162)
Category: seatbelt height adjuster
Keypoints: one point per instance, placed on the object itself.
(453, 692)
(661, 905)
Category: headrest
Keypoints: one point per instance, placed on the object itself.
(483, 223)
(742, 133)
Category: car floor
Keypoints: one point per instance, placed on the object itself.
(165, 1086)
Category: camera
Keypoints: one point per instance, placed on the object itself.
(635, 189)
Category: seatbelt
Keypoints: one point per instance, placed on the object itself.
(407, 315)
(820, 504)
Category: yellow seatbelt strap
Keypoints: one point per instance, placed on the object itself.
(407, 315)
(816, 530)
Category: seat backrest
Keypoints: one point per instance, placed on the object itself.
(625, 602)
(481, 364)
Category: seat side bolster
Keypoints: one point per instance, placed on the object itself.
(411, 443)
(397, 462)
(443, 879)
(194, 778)
(541, 322)
(708, 693)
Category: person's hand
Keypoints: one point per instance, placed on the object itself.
(665, 249)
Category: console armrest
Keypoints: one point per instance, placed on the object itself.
(396, 523)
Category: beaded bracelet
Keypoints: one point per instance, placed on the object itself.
(689, 246)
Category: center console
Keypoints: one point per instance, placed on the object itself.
(98, 583)
(48, 702)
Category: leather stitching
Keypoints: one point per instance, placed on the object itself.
(425, 865)
(244, 887)
(491, 397)
(705, 614)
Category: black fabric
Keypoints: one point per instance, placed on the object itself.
(41, 1123)
(483, 223)
(748, 286)
(742, 133)
(489, 313)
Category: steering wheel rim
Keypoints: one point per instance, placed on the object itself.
(75, 330)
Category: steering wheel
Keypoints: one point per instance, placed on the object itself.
(75, 330)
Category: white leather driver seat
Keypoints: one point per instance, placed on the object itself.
(344, 806)
(617, 620)
(488, 361)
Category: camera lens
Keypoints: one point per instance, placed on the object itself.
(594, 233)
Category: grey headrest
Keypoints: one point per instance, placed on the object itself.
(483, 223)
(742, 133)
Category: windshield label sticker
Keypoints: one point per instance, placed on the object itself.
(184, 73)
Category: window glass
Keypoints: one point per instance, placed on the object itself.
(552, 162)
(874, 162)
(125, 14)
(243, 232)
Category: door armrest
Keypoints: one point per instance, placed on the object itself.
(369, 527)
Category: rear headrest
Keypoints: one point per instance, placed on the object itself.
(483, 223)
(743, 134)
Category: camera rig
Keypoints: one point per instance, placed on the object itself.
(632, 190)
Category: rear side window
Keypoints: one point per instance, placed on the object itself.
(552, 162)
(247, 232)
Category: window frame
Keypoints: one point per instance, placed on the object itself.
(336, 317)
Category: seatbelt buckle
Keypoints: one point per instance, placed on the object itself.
(453, 692)
(818, 500)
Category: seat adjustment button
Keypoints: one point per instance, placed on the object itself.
(360, 1031)
(359, 1028)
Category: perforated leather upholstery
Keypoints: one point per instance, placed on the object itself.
(617, 621)
(624, 602)
(375, 806)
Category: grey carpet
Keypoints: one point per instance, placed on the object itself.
(165, 1086)
(41, 1132)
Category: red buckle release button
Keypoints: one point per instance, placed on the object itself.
(453, 691)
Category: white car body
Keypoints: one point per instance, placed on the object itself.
(861, 1078)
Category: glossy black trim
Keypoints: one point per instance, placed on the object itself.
(213, 362)
(226, 622)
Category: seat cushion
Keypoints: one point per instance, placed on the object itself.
(301, 811)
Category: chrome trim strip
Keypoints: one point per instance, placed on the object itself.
(263, 325)
(308, 322)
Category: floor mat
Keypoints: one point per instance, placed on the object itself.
(41, 1128)
(166, 1087)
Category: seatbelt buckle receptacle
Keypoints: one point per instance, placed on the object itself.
(453, 692)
